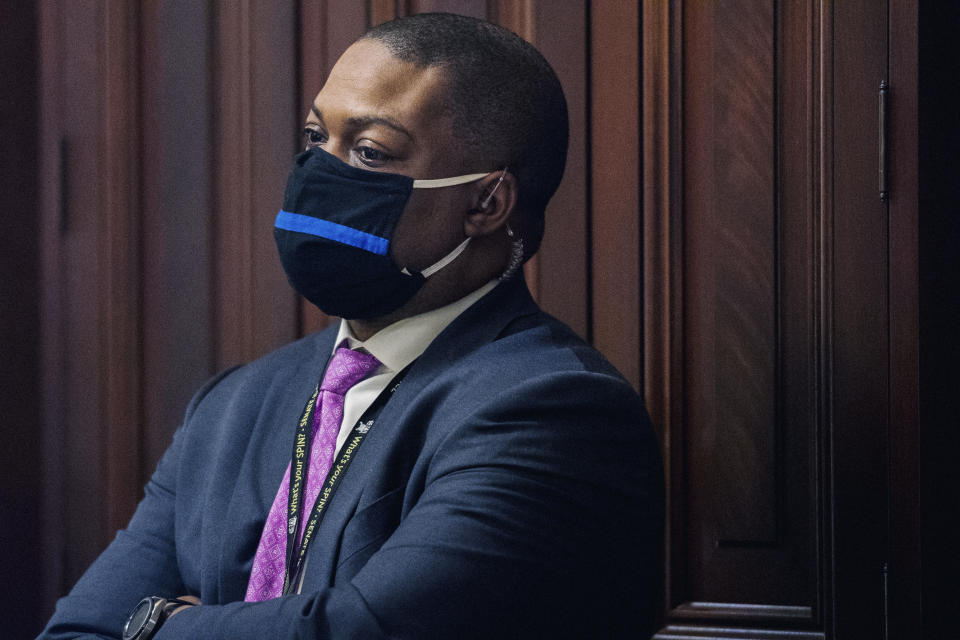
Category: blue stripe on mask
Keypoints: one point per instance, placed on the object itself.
(332, 231)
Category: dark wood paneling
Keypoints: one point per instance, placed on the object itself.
(748, 488)
(275, 118)
(256, 129)
(730, 298)
(794, 286)
(905, 550)
(120, 295)
(20, 402)
(233, 192)
(473, 8)
(51, 355)
(800, 512)
(74, 416)
(859, 307)
(563, 263)
(755, 257)
(690, 632)
(662, 252)
(615, 184)
(176, 215)
(779, 295)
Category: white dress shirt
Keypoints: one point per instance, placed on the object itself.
(395, 346)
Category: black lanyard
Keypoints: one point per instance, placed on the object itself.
(297, 553)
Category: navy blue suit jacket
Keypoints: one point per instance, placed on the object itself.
(512, 487)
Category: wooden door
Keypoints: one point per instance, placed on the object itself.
(769, 313)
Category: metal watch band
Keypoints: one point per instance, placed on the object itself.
(148, 616)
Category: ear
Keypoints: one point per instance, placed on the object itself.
(494, 200)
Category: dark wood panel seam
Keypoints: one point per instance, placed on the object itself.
(683, 632)
(824, 307)
(742, 611)
(121, 298)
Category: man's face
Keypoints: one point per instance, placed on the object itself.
(380, 113)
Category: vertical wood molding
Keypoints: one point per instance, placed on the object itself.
(176, 191)
(662, 262)
(561, 269)
(379, 11)
(120, 252)
(824, 303)
(327, 28)
(517, 15)
(274, 139)
(520, 17)
(315, 63)
(615, 206)
(799, 422)
(313, 68)
(52, 339)
(256, 138)
(313, 56)
(905, 548)
(859, 310)
(233, 131)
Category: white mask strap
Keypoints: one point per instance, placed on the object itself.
(442, 262)
(449, 182)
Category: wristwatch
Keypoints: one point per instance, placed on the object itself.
(148, 615)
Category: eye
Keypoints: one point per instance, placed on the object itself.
(313, 137)
(372, 157)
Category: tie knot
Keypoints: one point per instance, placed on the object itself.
(347, 368)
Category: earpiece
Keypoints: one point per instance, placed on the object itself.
(516, 254)
(486, 201)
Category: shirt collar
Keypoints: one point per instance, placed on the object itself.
(402, 342)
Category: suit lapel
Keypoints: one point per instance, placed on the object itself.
(479, 325)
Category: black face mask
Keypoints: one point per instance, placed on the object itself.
(334, 232)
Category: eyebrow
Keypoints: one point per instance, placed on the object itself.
(361, 122)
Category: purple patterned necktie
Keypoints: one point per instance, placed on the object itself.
(346, 368)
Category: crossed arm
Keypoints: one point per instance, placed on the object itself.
(534, 518)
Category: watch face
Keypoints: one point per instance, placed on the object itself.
(137, 619)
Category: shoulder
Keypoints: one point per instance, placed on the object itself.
(542, 402)
(540, 375)
(538, 351)
(275, 369)
(241, 409)
(289, 358)
(242, 401)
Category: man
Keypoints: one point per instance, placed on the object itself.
(482, 473)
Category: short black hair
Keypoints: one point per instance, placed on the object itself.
(504, 98)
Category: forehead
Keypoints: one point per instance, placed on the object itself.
(368, 81)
